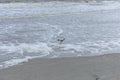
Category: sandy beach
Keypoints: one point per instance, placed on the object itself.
(104, 67)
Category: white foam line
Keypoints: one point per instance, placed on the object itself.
(40, 48)
(13, 62)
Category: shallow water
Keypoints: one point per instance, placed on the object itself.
(85, 34)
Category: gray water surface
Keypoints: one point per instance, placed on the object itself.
(85, 34)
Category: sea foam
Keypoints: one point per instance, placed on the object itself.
(23, 48)
(41, 49)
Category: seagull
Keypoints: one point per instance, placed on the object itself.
(60, 40)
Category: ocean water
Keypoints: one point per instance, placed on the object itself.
(85, 34)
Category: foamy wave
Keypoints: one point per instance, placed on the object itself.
(42, 49)
(13, 62)
(79, 49)
(91, 48)
(23, 48)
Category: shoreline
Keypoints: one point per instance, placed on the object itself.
(104, 67)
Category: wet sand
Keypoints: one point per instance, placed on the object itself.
(104, 67)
